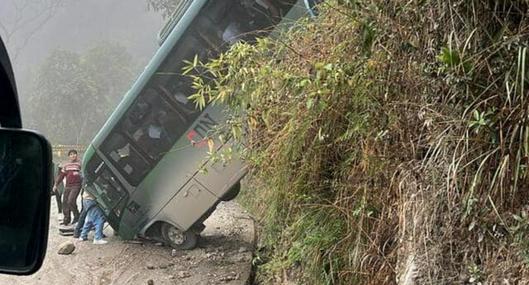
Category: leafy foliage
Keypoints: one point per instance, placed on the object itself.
(385, 138)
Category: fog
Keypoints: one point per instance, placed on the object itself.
(33, 29)
(76, 24)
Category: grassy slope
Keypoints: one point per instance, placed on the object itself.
(389, 142)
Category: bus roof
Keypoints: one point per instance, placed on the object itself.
(179, 27)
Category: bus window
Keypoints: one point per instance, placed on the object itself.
(93, 167)
(242, 21)
(177, 92)
(210, 33)
(156, 133)
(186, 49)
(168, 78)
(118, 209)
(125, 158)
(111, 191)
(258, 17)
(232, 33)
(138, 112)
(216, 10)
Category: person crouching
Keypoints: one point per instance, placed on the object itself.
(94, 218)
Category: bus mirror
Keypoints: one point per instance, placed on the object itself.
(25, 182)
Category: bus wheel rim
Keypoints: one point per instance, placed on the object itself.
(176, 235)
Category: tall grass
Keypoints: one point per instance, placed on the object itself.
(388, 142)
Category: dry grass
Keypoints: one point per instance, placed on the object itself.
(389, 142)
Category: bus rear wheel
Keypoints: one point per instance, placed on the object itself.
(178, 239)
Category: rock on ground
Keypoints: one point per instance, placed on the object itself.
(66, 247)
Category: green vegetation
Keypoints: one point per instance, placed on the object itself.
(388, 140)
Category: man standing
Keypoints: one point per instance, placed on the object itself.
(72, 172)
(58, 194)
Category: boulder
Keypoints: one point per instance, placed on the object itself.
(66, 248)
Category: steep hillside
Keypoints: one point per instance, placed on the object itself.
(388, 141)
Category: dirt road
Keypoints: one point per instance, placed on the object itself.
(223, 256)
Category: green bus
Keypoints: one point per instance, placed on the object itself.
(144, 166)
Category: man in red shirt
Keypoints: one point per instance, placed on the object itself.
(72, 172)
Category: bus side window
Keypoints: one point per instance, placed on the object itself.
(111, 189)
(169, 81)
(138, 112)
(248, 19)
(223, 24)
(125, 158)
(216, 10)
(210, 33)
(177, 91)
(157, 132)
(186, 49)
(263, 14)
(232, 33)
(93, 167)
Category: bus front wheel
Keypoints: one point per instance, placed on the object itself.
(178, 239)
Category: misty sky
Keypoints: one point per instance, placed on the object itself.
(75, 25)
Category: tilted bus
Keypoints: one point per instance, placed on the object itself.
(146, 165)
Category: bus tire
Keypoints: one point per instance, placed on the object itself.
(178, 239)
(232, 193)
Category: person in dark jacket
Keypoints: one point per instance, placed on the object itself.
(60, 189)
(72, 172)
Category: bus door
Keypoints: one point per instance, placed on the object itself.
(108, 190)
(219, 176)
(190, 204)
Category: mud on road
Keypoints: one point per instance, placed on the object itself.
(223, 256)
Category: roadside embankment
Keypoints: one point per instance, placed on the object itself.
(389, 142)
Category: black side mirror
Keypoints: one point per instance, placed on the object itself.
(25, 183)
